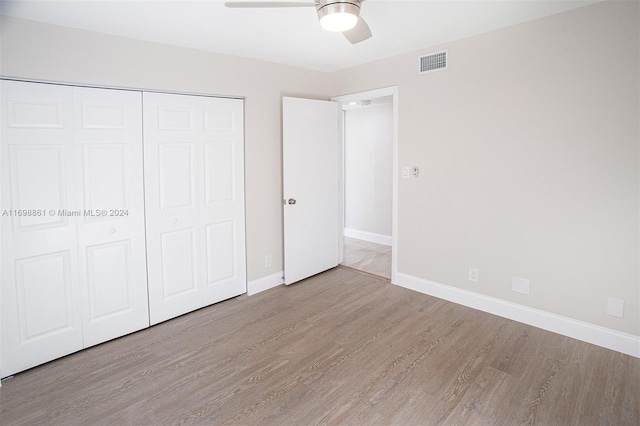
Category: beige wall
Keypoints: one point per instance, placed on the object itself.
(368, 173)
(47, 52)
(529, 154)
(528, 147)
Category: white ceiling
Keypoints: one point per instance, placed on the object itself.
(289, 36)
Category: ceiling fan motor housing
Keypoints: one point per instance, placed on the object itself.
(330, 7)
(325, 7)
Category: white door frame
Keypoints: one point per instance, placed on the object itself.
(354, 97)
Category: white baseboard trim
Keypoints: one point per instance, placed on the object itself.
(264, 283)
(590, 333)
(368, 236)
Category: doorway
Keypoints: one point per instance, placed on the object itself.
(368, 181)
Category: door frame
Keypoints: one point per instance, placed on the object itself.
(361, 96)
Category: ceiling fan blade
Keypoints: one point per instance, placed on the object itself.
(264, 4)
(359, 33)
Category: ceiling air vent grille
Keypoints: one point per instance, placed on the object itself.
(437, 61)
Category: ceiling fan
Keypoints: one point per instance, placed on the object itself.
(334, 15)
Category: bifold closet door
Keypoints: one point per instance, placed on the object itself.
(41, 302)
(111, 239)
(73, 250)
(194, 187)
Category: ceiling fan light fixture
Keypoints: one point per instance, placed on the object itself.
(339, 16)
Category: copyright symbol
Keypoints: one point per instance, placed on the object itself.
(52, 212)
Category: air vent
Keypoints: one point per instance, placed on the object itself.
(437, 61)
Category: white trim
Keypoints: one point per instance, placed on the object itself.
(264, 283)
(341, 178)
(368, 236)
(590, 333)
(129, 89)
(371, 94)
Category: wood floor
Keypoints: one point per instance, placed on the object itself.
(339, 348)
(368, 257)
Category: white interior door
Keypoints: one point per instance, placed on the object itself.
(222, 200)
(111, 240)
(311, 187)
(193, 148)
(41, 304)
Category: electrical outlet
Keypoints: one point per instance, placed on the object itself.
(268, 261)
(615, 307)
(473, 274)
(416, 171)
(520, 285)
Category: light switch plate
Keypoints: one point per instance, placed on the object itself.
(473, 274)
(406, 172)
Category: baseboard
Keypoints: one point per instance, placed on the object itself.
(590, 333)
(264, 283)
(368, 236)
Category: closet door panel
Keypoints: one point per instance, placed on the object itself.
(194, 177)
(105, 183)
(109, 280)
(172, 188)
(41, 317)
(44, 295)
(221, 252)
(108, 147)
(176, 177)
(31, 191)
(222, 212)
(220, 181)
(180, 268)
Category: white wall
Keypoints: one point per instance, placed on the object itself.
(48, 52)
(368, 169)
(529, 154)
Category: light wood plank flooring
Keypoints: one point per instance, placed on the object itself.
(368, 257)
(339, 348)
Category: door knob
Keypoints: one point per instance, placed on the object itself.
(292, 201)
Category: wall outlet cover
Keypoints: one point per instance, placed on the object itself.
(520, 285)
(615, 307)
